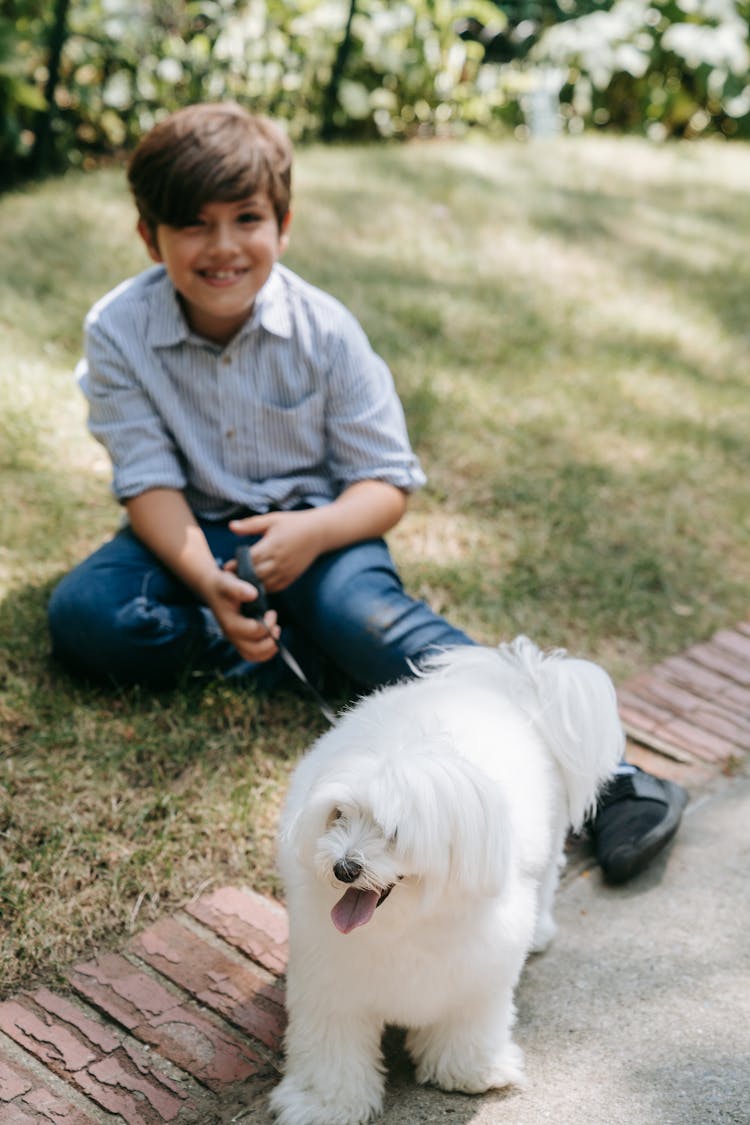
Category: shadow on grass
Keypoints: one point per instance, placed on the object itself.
(117, 805)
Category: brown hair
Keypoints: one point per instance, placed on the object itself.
(206, 153)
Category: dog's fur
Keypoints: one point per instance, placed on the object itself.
(451, 794)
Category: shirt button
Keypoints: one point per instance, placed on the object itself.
(229, 434)
(226, 359)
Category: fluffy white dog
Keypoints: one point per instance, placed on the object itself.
(420, 848)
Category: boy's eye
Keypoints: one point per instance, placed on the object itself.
(249, 217)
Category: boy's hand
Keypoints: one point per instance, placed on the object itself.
(254, 640)
(290, 543)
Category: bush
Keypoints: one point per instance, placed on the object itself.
(662, 67)
(363, 68)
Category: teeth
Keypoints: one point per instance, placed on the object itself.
(222, 275)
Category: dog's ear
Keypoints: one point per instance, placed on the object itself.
(454, 829)
(304, 821)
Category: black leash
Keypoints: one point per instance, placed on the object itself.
(257, 609)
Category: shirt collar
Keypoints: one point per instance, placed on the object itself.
(167, 324)
(272, 306)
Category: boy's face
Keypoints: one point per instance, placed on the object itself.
(220, 263)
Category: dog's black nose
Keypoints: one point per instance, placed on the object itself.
(347, 870)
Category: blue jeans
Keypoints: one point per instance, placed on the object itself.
(123, 617)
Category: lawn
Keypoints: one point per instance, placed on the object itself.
(567, 325)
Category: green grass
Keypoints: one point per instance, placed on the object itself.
(567, 325)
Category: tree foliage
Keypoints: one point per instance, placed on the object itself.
(80, 79)
(666, 67)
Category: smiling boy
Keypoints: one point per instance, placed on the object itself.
(240, 405)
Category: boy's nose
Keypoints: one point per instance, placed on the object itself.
(223, 237)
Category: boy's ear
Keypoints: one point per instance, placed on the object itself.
(149, 239)
(286, 222)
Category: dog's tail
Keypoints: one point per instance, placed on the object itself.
(574, 706)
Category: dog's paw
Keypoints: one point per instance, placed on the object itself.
(292, 1103)
(545, 930)
(474, 1076)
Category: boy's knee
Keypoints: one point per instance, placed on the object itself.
(99, 636)
(353, 611)
(76, 622)
(66, 606)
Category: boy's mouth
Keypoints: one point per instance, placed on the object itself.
(222, 275)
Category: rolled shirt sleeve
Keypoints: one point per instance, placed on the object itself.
(366, 430)
(124, 419)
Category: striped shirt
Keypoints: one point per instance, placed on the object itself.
(294, 409)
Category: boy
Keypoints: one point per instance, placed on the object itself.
(240, 405)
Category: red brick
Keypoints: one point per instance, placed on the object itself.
(702, 681)
(718, 660)
(736, 699)
(724, 724)
(708, 716)
(685, 773)
(13, 1082)
(14, 1115)
(645, 712)
(635, 724)
(91, 1029)
(646, 725)
(738, 644)
(246, 995)
(59, 1048)
(48, 1107)
(24, 1097)
(251, 922)
(663, 692)
(642, 713)
(117, 1086)
(709, 747)
(199, 1044)
(117, 1075)
(707, 737)
(668, 748)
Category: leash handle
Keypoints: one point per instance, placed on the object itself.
(258, 609)
(246, 571)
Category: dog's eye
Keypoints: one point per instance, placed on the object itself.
(393, 838)
(335, 815)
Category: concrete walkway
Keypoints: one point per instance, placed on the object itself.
(638, 1014)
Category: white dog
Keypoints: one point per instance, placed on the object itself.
(420, 848)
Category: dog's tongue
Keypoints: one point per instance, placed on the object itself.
(353, 909)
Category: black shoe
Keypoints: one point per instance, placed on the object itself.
(636, 816)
